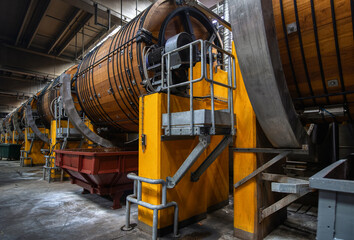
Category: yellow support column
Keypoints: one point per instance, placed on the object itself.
(33, 155)
(245, 197)
(160, 159)
(88, 143)
(55, 145)
(7, 138)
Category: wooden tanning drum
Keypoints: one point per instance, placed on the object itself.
(47, 96)
(110, 78)
(316, 44)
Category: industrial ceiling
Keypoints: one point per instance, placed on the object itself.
(40, 39)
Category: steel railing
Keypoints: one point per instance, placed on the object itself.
(207, 65)
(136, 197)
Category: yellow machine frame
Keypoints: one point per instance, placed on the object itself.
(8, 138)
(33, 147)
(160, 159)
(56, 173)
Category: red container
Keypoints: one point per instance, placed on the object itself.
(101, 171)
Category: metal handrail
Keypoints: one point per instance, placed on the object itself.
(206, 49)
(136, 197)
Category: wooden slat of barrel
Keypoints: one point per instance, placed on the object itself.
(108, 90)
(327, 49)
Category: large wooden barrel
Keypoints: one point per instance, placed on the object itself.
(316, 43)
(109, 80)
(46, 97)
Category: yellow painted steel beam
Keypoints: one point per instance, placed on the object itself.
(245, 197)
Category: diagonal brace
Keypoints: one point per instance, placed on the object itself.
(262, 168)
(204, 142)
(211, 158)
(285, 201)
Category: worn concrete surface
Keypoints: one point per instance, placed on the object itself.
(31, 208)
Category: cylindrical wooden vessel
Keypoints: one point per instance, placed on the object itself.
(109, 80)
(316, 43)
(46, 98)
(45, 103)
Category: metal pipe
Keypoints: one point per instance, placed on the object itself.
(83, 42)
(211, 76)
(127, 215)
(231, 98)
(335, 142)
(168, 94)
(164, 194)
(191, 88)
(227, 32)
(133, 198)
(154, 224)
(139, 190)
(325, 95)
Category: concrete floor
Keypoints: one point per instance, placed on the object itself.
(31, 208)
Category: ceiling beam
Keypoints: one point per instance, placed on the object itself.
(28, 73)
(74, 17)
(87, 6)
(64, 59)
(24, 79)
(92, 42)
(30, 9)
(15, 94)
(37, 17)
(77, 28)
(6, 108)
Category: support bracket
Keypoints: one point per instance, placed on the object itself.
(262, 168)
(285, 201)
(32, 124)
(74, 117)
(204, 141)
(211, 158)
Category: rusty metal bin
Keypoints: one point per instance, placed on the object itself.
(101, 171)
(336, 200)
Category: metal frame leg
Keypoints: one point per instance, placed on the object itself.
(136, 198)
(262, 168)
(211, 158)
(154, 223)
(204, 142)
